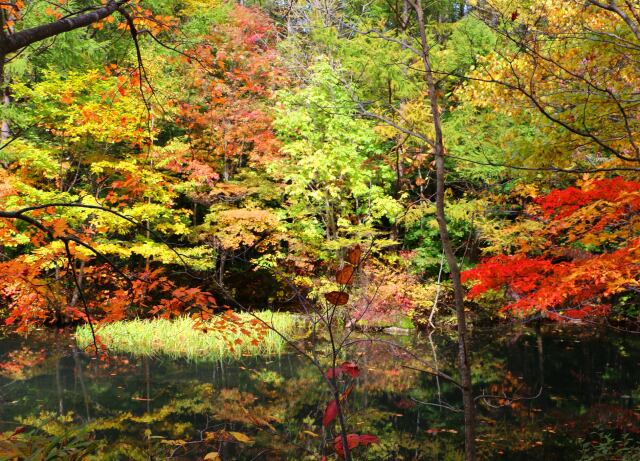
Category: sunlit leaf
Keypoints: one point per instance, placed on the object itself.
(240, 437)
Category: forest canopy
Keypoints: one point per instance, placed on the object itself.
(360, 165)
(223, 144)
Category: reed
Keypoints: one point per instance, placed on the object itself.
(177, 338)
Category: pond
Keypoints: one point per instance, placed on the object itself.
(549, 391)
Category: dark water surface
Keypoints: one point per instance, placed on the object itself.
(546, 389)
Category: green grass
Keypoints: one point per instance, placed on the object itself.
(177, 338)
(398, 320)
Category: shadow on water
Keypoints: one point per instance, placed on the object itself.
(543, 391)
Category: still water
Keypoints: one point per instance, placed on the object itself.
(549, 392)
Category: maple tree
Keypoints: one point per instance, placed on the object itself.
(583, 252)
(233, 73)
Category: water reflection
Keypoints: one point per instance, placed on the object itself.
(541, 389)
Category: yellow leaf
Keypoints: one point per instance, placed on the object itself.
(240, 437)
(213, 456)
(177, 443)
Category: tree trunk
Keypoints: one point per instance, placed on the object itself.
(78, 286)
(332, 225)
(438, 152)
(6, 100)
(5, 15)
(405, 15)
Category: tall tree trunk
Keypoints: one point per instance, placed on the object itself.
(405, 14)
(438, 152)
(5, 132)
(332, 225)
(77, 286)
(5, 16)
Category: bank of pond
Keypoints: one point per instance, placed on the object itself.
(555, 392)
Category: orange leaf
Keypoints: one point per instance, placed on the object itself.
(337, 298)
(354, 255)
(67, 97)
(58, 227)
(345, 276)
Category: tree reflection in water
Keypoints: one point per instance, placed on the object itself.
(541, 390)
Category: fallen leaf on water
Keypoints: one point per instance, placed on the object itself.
(178, 443)
(240, 437)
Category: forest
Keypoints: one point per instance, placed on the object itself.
(320, 230)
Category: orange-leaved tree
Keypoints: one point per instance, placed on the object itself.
(571, 254)
(233, 72)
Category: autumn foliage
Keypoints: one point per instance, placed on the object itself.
(100, 148)
(585, 252)
(234, 72)
(351, 371)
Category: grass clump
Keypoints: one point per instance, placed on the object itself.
(182, 338)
